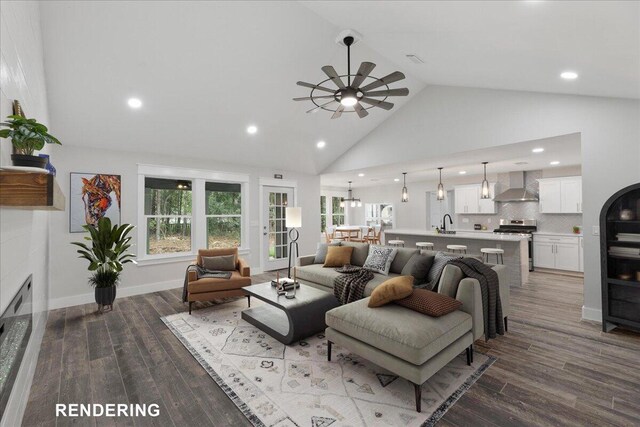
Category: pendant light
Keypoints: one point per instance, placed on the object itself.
(441, 193)
(354, 202)
(405, 193)
(484, 194)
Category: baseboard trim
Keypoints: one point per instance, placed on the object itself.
(87, 298)
(591, 314)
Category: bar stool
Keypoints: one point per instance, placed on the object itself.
(396, 243)
(457, 248)
(493, 251)
(424, 245)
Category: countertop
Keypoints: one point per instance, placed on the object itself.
(544, 233)
(468, 235)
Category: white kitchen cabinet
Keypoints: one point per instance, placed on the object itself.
(581, 254)
(468, 201)
(560, 195)
(544, 255)
(557, 252)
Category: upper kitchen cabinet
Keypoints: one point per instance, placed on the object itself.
(468, 201)
(561, 195)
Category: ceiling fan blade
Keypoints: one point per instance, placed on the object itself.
(389, 92)
(308, 98)
(313, 110)
(393, 77)
(338, 112)
(364, 70)
(361, 111)
(331, 73)
(382, 104)
(312, 86)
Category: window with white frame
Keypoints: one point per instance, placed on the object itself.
(323, 213)
(331, 213)
(183, 210)
(379, 214)
(337, 211)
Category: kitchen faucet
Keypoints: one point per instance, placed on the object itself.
(444, 224)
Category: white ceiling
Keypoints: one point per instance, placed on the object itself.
(206, 70)
(520, 45)
(506, 158)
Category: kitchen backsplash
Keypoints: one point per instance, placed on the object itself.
(552, 223)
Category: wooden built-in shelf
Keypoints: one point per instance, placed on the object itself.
(29, 190)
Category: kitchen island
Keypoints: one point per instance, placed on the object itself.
(516, 247)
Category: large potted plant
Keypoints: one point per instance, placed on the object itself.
(27, 137)
(107, 256)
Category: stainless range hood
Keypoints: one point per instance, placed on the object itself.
(516, 191)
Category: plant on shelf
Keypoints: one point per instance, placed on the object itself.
(107, 256)
(27, 137)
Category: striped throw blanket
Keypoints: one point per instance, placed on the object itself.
(349, 286)
(490, 287)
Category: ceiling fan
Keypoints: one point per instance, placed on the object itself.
(353, 94)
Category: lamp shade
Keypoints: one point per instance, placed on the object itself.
(293, 217)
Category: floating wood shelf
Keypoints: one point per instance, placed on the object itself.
(28, 190)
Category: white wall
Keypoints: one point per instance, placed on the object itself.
(442, 120)
(23, 233)
(69, 274)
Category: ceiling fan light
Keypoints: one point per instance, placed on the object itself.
(348, 101)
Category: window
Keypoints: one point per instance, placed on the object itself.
(224, 214)
(167, 211)
(323, 213)
(379, 213)
(181, 210)
(337, 217)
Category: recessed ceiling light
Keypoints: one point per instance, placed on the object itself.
(554, 163)
(462, 172)
(360, 175)
(321, 144)
(537, 150)
(396, 179)
(252, 129)
(569, 75)
(134, 103)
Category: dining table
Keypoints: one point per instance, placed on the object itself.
(349, 232)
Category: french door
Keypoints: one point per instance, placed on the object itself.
(275, 238)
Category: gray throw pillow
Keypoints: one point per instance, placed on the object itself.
(380, 259)
(439, 263)
(321, 252)
(219, 263)
(418, 266)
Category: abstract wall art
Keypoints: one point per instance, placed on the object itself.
(93, 196)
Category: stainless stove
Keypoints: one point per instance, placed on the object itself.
(519, 227)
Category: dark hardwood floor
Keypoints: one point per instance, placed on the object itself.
(552, 369)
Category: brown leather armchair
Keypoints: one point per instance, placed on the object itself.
(207, 289)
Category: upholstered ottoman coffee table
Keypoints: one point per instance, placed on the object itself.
(412, 345)
(289, 320)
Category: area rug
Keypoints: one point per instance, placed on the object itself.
(278, 385)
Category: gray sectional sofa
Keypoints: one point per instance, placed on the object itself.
(409, 344)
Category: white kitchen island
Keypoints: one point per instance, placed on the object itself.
(516, 248)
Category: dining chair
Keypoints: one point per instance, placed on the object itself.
(374, 237)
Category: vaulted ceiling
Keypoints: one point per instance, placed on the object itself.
(207, 70)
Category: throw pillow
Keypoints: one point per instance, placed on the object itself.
(337, 256)
(418, 266)
(379, 259)
(321, 252)
(219, 263)
(390, 290)
(430, 303)
(439, 262)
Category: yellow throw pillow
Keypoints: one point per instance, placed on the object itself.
(337, 256)
(391, 290)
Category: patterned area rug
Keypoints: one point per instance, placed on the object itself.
(278, 385)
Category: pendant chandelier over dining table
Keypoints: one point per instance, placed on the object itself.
(354, 201)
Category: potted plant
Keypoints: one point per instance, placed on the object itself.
(27, 137)
(107, 256)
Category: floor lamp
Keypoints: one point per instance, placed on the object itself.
(293, 220)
